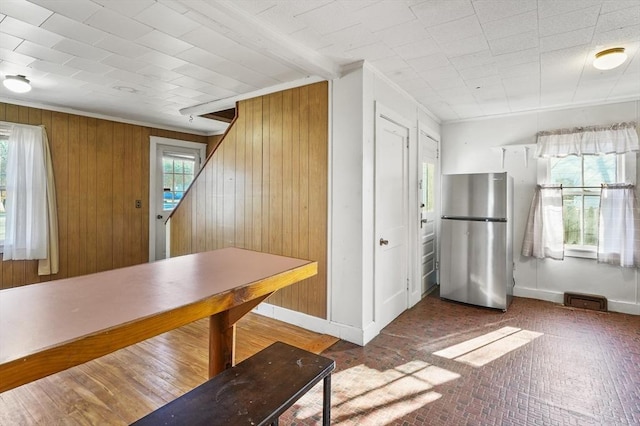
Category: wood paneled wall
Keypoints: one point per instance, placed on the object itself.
(101, 167)
(265, 189)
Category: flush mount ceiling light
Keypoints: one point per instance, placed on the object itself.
(610, 58)
(17, 83)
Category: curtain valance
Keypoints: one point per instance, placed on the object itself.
(617, 138)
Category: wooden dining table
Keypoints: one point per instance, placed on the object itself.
(49, 327)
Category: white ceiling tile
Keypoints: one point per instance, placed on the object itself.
(155, 72)
(482, 71)
(74, 9)
(627, 86)
(284, 15)
(175, 5)
(408, 32)
(9, 42)
(163, 43)
(548, 8)
(353, 37)
(160, 86)
(436, 12)
(569, 21)
(456, 94)
(492, 10)
(128, 8)
(245, 75)
(516, 58)
(166, 20)
(325, 19)
(124, 63)
(82, 50)
(114, 23)
(417, 49)
(90, 77)
(483, 57)
(122, 47)
(479, 84)
(89, 66)
(15, 58)
(405, 74)
(162, 60)
(517, 24)
(72, 29)
(619, 19)
(436, 74)
(310, 39)
(256, 6)
(189, 82)
(25, 11)
(384, 14)
(613, 5)
(372, 51)
(217, 92)
(594, 91)
(221, 81)
(435, 60)
(40, 52)
(201, 57)
(468, 110)
(616, 37)
(514, 43)
(186, 92)
(54, 68)
(516, 86)
(127, 77)
(29, 32)
(456, 30)
(566, 40)
(521, 70)
(465, 46)
(390, 64)
(414, 85)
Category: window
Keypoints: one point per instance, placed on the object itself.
(581, 177)
(177, 174)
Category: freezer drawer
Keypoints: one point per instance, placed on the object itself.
(474, 263)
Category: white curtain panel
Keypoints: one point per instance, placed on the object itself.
(617, 138)
(619, 226)
(544, 234)
(30, 191)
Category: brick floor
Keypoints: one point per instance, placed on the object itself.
(583, 370)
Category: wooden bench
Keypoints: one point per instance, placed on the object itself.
(254, 392)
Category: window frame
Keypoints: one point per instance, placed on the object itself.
(625, 173)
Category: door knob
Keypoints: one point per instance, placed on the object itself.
(159, 216)
(383, 242)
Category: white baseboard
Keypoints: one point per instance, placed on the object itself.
(558, 297)
(319, 325)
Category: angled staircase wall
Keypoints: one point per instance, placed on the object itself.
(264, 188)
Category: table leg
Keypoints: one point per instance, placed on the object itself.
(222, 342)
(326, 401)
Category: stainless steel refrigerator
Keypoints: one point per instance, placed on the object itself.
(477, 239)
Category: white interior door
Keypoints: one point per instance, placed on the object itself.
(176, 163)
(391, 271)
(428, 190)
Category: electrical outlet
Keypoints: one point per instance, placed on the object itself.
(138, 204)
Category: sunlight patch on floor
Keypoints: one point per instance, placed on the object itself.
(483, 349)
(392, 393)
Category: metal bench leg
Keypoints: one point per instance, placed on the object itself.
(326, 401)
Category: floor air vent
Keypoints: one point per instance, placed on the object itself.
(586, 301)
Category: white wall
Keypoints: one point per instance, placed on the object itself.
(469, 147)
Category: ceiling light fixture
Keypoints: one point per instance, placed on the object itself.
(17, 83)
(610, 58)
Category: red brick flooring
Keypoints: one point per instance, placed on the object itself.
(583, 370)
